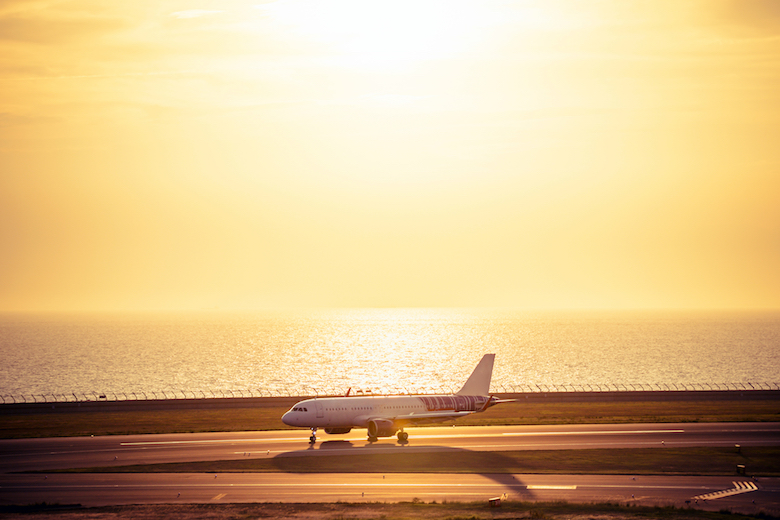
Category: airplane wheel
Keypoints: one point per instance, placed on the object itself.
(312, 439)
(372, 439)
(403, 436)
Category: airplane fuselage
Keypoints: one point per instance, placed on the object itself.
(356, 412)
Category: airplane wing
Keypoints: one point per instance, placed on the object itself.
(435, 416)
(414, 418)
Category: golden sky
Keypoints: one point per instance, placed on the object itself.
(190, 154)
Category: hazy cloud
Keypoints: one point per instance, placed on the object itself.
(46, 30)
(194, 13)
(746, 18)
(250, 156)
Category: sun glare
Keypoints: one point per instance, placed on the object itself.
(375, 35)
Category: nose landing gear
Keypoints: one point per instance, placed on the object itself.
(313, 437)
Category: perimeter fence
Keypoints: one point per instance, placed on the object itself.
(170, 394)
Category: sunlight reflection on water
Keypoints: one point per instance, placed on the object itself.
(381, 349)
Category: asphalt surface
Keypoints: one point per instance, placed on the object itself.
(110, 489)
(728, 492)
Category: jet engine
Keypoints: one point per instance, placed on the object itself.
(381, 428)
(338, 430)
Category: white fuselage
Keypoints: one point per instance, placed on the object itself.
(356, 412)
(349, 412)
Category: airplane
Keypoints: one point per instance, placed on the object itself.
(384, 416)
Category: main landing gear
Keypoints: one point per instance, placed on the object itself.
(313, 437)
(402, 437)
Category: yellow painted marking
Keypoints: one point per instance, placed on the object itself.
(221, 495)
(552, 487)
(447, 436)
(598, 432)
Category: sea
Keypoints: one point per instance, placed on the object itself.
(316, 352)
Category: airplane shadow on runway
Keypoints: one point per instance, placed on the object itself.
(343, 456)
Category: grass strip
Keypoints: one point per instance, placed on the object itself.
(132, 422)
(414, 510)
(763, 461)
(70, 424)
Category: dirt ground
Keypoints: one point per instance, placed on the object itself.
(379, 511)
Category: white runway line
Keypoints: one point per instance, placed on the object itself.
(452, 436)
(600, 432)
(739, 488)
(532, 487)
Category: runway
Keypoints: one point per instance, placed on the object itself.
(84, 452)
(105, 488)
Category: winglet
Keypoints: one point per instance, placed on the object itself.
(478, 382)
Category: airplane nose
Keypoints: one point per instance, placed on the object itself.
(287, 419)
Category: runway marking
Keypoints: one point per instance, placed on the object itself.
(739, 488)
(453, 436)
(384, 448)
(609, 432)
(491, 485)
(211, 441)
(282, 485)
(544, 433)
(221, 495)
(357, 450)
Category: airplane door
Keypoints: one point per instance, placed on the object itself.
(320, 411)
